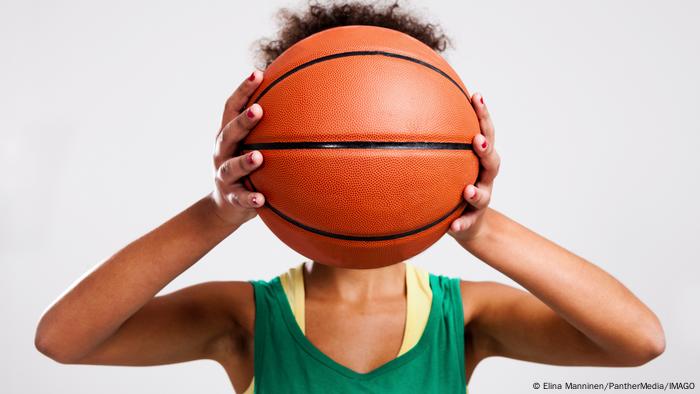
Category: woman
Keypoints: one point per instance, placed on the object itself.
(322, 329)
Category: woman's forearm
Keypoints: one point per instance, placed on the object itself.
(95, 307)
(587, 297)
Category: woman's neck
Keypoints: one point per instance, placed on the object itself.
(354, 285)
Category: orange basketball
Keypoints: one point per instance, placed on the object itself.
(366, 138)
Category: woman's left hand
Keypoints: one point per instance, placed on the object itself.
(478, 196)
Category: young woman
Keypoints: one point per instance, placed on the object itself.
(320, 329)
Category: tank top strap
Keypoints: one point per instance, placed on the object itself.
(293, 284)
(452, 314)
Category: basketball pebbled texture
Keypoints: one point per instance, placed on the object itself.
(366, 137)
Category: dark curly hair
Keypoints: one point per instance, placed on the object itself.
(318, 17)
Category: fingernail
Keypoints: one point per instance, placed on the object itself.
(255, 200)
(481, 98)
(250, 157)
(252, 77)
(484, 145)
(249, 113)
(472, 193)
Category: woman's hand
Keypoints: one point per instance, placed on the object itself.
(572, 312)
(234, 203)
(467, 226)
(110, 316)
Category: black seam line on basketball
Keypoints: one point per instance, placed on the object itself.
(357, 53)
(357, 145)
(357, 237)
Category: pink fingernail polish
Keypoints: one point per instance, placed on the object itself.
(481, 98)
(250, 157)
(252, 76)
(250, 113)
(255, 200)
(473, 194)
(484, 145)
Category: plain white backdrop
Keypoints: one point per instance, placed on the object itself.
(108, 111)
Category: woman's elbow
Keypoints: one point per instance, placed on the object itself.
(649, 344)
(655, 345)
(52, 347)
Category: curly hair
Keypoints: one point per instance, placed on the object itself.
(318, 17)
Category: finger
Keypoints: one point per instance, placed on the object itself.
(239, 195)
(463, 222)
(489, 159)
(240, 96)
(234, 131)
(482, 113)
(231, 170)
(476, 197)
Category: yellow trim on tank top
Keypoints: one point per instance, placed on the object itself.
(419, 297)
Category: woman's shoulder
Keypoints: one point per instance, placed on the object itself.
(474, 296)
(482, 297)
(445, 286)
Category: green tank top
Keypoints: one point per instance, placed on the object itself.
(287, 362)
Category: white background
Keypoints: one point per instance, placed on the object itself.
(108, 111)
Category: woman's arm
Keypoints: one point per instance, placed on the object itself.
(576, 314)
(80, 322)
(110, 316)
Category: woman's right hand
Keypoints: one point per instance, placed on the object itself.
(113, 316)
(234, 203)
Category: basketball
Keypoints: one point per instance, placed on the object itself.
(366, 137)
